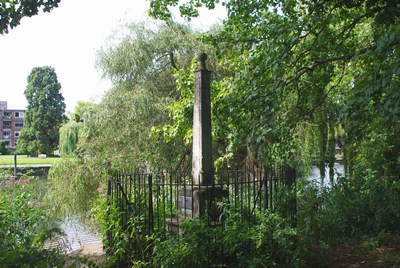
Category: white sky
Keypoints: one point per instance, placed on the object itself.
(67, 39)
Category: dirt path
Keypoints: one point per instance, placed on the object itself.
(95, 248)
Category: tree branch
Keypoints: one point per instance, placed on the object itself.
(319, 62)
(171, 58)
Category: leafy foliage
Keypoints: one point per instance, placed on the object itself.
(3, 149)
(44, 114)
(304, 76)
(237, 243)
(11, 12)
(25, 224)
(142, 67)
(69, 134)
(125, 243)
(119, 130)
(147, 54)
(293, 80)
(188, 9)
(73, 186)
(352, 209)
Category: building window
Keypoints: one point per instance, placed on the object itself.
(6, 135)
(7, 115)
(6, 124)
(16, 134)
(19, 124)
(19, 114)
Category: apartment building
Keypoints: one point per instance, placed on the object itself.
(11, 123)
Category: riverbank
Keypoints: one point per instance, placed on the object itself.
(25, 165)
(94, 248)
(6, 160)
(91, 254)
(27, 169)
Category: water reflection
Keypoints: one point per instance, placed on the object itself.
(315, 175)
(76, 236)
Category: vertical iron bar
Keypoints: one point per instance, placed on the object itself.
(125, 199)
(241, 189)
(158, 195)
(271, 182)
(170, 195)
(261, 184)
(255, 193)
(191, 181)
(248, 186)
(184, 199)
(228, 187)
(139, 196)
(236, 185)
(151, 216)
(163, 202)
(265, 188)
(109, 197)
(145, 205)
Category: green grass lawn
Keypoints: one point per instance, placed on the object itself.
(25, 160)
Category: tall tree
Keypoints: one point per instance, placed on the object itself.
(309, 72)
(126, 128)
(142, 63)
(44, 114)
(11, 12)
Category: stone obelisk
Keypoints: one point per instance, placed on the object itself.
(202, 162)
(198, 198)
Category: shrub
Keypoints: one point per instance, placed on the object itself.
(363, 206)
(237, 243)
(24, 227)
(124, 239)
(3, 150)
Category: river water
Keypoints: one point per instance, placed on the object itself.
(76, 235)
(315, 175)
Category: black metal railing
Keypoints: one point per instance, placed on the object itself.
(160, 201)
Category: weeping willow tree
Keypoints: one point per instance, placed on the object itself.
(119, 130)
(69, 135)
(73, 187)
